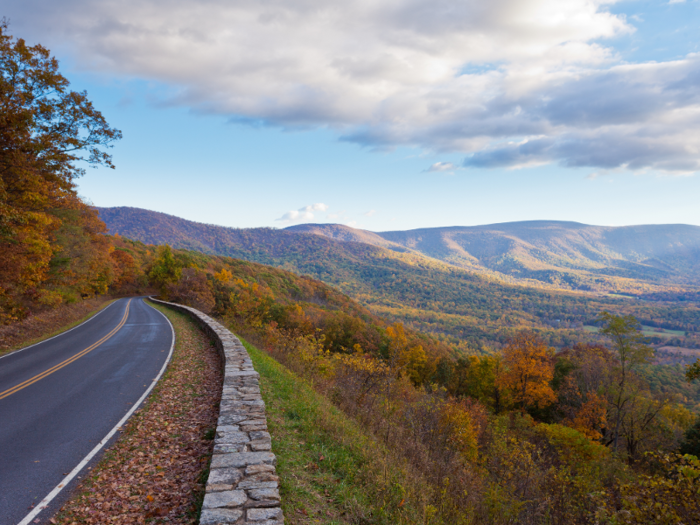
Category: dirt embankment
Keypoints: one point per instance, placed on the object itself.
(48, 323)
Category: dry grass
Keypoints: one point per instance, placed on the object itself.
(46, 324)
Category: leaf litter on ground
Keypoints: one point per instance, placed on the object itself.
(156, 470)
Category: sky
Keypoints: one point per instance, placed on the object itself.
(387, 114)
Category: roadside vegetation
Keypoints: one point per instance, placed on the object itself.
(524, 435)
(49, 323)
(331, 470)
(156, 470)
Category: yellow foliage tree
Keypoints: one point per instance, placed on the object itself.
(529, 369)
(408, 359)
(456, 421)
(224, 275)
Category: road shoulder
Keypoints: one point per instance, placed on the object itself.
(156, 469)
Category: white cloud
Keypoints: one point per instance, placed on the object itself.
(303, 214)
(370, 213)
(442, 166)
(507, 82)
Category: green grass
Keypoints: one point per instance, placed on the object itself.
(648, 331)
(330, 471)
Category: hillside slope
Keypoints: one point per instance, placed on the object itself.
(567, 255)
(430, 295)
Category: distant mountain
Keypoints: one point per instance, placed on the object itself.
(564, 254)
(401, 277)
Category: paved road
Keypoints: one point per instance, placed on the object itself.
(60, 398)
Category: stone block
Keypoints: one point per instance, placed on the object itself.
(220, 516)
(264, 514)
(229, 448)
(264, 494)
(228, 498)
(252, 484)
(242, 459)
(258, 469)
(225, 437)
(223, 479)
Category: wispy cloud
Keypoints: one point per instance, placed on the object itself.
(370, 213)
(506, 82)
(442, 166)
(303, 214)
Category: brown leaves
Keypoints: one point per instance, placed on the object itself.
(153, 471)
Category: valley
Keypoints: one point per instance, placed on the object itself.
(403, 279)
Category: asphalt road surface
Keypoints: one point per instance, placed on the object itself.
(60, 398)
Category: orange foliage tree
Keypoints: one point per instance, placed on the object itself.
(529, 369)
(44, 130)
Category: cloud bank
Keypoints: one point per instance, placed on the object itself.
(510, 83)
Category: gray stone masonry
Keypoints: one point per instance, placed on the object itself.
(242, 488)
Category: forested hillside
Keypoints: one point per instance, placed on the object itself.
(589, 434)
(566, 255)
(430, 295)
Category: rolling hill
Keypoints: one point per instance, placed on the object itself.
(566, 255)
(401, 283)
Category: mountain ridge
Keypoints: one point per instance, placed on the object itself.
(555, 254)
(430, 295)
(582, 255)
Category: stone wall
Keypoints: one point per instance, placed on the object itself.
(243, 486)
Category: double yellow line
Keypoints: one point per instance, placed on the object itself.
(68, 361)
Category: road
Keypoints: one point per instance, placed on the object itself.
(60, 398)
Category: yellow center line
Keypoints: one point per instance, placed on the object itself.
(68, 361)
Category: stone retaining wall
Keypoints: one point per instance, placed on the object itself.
(243, 486)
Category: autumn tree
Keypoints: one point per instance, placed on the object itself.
(475, 377)
(405, 356)
(251, 302)
(627, 343)
(691, 443)
(692, 372)
(81, 264)
(165, 270)
(124, 268)
(581, 389)
(529, 369)
(193, 289)
(46, 130)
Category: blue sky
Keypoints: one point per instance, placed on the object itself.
(386, 115)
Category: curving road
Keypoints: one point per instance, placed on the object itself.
(59, 399)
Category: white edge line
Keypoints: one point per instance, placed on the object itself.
(51, 495)
(59, 335)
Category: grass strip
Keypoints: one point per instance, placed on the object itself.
(156, 470)
(330, 471)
